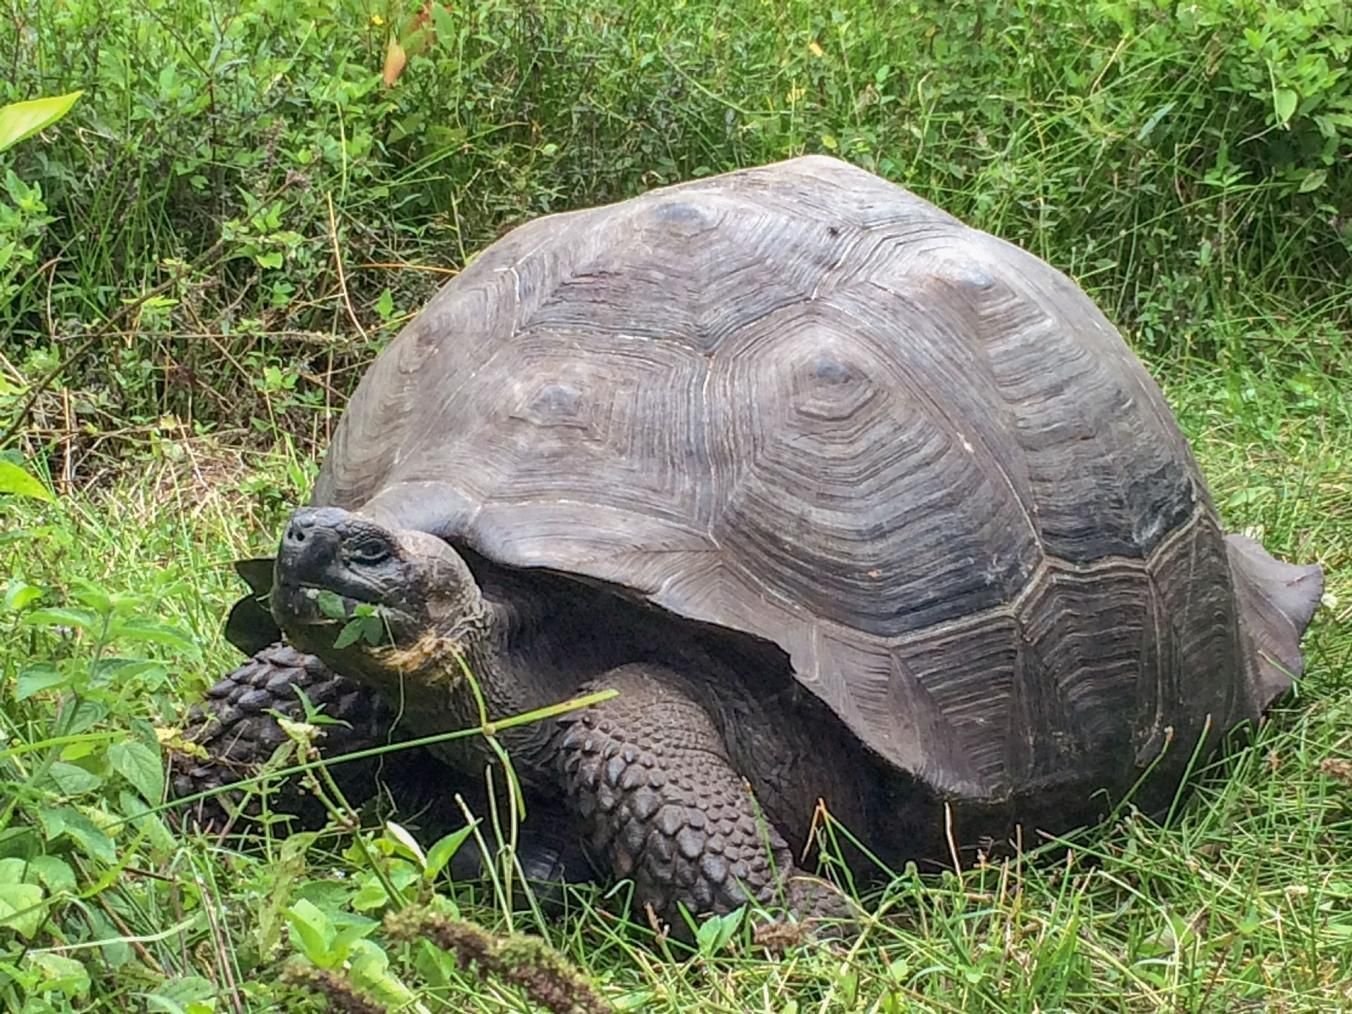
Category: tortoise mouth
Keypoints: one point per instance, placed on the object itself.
(303, 603)
(317, 628)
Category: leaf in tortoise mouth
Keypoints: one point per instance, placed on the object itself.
(331, 604)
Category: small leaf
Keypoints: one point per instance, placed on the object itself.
(1314, 179)
(331, 604)
(86, 715)
(348, 936)
(371, 895)
(24, 119)
(1284, 104)
(128, 672)
(373, 630)
(61, 973)
(141, 766)
(1153, 121)
(714, 933)
(136, 810)
(92, 596)
(14, 479)
(12, 870)
(406, 844)
(181, 996)
(351, 632)
(444, 851)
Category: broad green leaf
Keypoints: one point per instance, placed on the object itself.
(347, 937)
(141, 766)
(351, 632)
(57, 616)
(87, 714)
(54, 872)
(59, 821)
(21, 908)
(19, 595)
(312, 932)
(373, 630)
(116, 952)
(152, 632)
(14, 479)
(61, 973)
(713, 934)
(36, 678)
(124, 672)
(371, 895)
(23, 119)
(92, 596)
(71, 779)
(370, 969)
(139, 813)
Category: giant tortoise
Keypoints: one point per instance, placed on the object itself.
(861, 512)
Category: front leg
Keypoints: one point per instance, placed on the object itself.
(650, 779)
(236, 728)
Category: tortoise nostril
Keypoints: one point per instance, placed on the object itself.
(300, 527)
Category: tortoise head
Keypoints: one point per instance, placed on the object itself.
(424, 603)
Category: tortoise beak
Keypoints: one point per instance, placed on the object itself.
(334, 550)
(311, 549)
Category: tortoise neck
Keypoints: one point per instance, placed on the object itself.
(492, 674)
(480, 666)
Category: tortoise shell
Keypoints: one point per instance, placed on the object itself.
(800, 403)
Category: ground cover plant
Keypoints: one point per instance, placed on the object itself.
(197, 261)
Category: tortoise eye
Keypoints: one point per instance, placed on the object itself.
(368, 553)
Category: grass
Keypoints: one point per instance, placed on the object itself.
(1134, 144)
(1244, 901)
(1184, 162)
